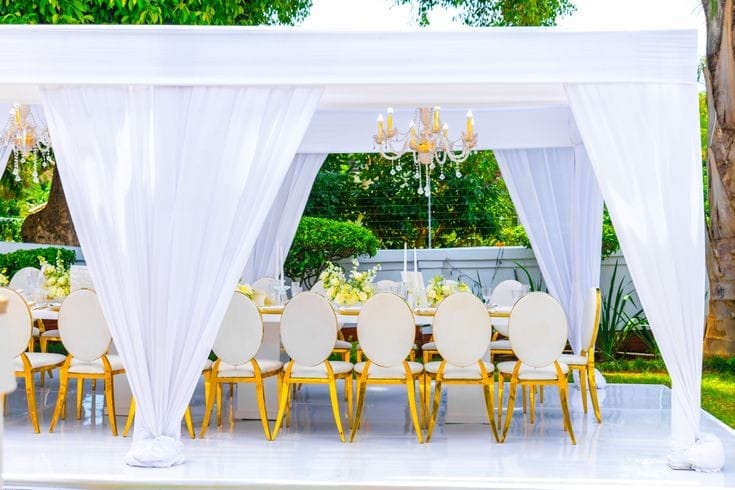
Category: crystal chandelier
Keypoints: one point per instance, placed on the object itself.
(428, 140)
(29, 140)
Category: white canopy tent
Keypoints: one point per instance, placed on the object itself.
(173, 143)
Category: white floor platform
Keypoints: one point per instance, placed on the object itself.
(627, 450)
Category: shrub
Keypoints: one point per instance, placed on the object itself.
(14, 261)
(319, 241)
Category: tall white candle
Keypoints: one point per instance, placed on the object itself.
(405, 260)
(415, 269)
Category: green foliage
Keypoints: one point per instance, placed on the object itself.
(610, 243)
(720, 364)
(528, 279)
(18, 198)
(480, 13)
(192, 12)
(466, 211)
(14, 261)
(319, 241)
(616, 323)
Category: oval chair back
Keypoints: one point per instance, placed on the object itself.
(267, 285)
(502, 294)
(240, 333)
(462, 329)
(591, 319)
(537, 329)
(386, 329)
(16, 325)
(24, 278)
(318, 288)
(308, 328)
(82, 326)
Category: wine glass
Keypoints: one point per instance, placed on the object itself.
(487, 295)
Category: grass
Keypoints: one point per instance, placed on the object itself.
(718, 384)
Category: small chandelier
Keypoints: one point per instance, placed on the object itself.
(428, 140)
(27, 138)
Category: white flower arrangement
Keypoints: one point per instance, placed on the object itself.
(56, 282)
(357, 289)
(247, 290)
(438, 289)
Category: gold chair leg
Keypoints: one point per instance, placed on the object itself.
(565, 412)
(31, 400)
(110, 399)
(501, 386)
(435, 407)
(488, 391)
(422, 402)
(411, 391)
(361, 385)
(189, 422)
(260, 396)
(524, 396)
(335, 407)
(285, 389)
(131, 417)
(593, 393)
(80, 393)
(208, 408)
(218, 391)
(348, 389)
(43, 342)
(5, 404)
(541, 394)
(532, 401)
(61, 397)
(583, 387)
(509, 411)
(43, 378)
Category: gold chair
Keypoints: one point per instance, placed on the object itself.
(238, 340)
(502, 295)
(462, 333)
(537, 330)
(16, 327)
(585, 361)
(86, 337)
(386, 330)
(308, 334)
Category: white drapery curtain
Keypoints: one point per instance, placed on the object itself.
(643, 142)
(4, 156)
(283, 219)
(168, 188)
(559, 204)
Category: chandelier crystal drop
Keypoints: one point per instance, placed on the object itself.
(28, 139)
(427, 139)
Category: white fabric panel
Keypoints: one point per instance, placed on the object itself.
(189, 55)
(334, 131)
(559, 204)
(4, 150)
(643, 142)
(168, 188)
(4, 157)
(284, 216)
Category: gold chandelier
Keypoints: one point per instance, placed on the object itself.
(28, 139)
(428, 140)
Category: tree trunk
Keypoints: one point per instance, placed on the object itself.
(51, 224)
(720, 75)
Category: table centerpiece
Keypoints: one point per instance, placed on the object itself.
(354, 290)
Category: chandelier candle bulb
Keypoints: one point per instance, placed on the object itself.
(380, 127)
(390, 119)
(470, 124)
(436, 120)
(445, 129)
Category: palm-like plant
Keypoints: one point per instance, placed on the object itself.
(616, 319)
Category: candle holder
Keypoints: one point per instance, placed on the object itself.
(280, 292)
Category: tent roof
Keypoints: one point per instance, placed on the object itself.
(470, 68)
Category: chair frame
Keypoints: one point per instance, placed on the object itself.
(587, 371)
(27, 375)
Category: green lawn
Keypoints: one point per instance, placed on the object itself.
(718, 389)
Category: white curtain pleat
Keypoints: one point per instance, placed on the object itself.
(558, 203)
(283, 219)
(168, 188)
(643, 142)
(4, 157)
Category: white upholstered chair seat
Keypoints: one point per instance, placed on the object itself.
(573, 359)
(95, 367)
(267, 366)
(500, 345)
(50, 333)
(528, 373)
(429, 346)
(38, 360)
(320, 370)
(342, 344)
(455, 372)
(395, 372)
